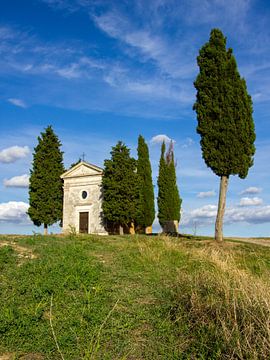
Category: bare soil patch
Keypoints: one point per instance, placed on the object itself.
(22, 251)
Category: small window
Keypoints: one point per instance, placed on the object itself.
(84, 194)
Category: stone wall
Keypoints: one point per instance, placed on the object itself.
(74, 203)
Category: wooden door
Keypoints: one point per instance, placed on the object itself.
(84, 217)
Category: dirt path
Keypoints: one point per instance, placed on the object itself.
(256, 241)
(22, 251)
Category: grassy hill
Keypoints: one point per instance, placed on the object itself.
(133, 297)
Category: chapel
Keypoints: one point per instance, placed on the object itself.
(82, 207)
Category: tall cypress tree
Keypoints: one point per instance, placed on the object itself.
(173, 197)
(145, 213)
(120, 188)
(224, 113)
(46, 188)
(162, 186)
(169, 201)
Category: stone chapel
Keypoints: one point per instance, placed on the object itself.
(82, 208)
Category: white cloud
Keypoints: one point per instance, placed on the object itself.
(247, 201)
(13, 153)
(203, 216)
(207, 214)
(251, 215)
(21, 181)
(17, 102)
(206, 194)
(159, 139)
(251, 190)
(14, 211)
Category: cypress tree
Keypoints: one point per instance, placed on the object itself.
(120, 187)
(169, 201)
(173, 197)
(46, 188)
(224, 113)
(162, 186)
(145, 213)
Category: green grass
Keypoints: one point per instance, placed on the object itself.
(133, 297)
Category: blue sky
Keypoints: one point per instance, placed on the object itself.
(101, 71)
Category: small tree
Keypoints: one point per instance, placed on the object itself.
(145, 212)
(224, 113)
(169, 201)
(46, 188)
(120, 188)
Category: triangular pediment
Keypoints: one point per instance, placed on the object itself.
(82, 169)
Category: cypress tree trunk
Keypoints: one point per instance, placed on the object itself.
(221, 207)
(45, 229)
(121, 230)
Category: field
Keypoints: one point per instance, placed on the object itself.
(133, 297)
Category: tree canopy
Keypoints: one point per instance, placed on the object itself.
(224, 110)
(145, 211)
(120, 187)
(45, 188)
(169, 201)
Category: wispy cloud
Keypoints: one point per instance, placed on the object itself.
(150, 46)
(27, 54)
(17, 102)
(21, 181)
(217, 12)
(247, 201)
(188, 142)
(150, 86)
(251, 191)
(13, 153)
(206, 194)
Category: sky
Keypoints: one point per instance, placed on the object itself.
(100, 71)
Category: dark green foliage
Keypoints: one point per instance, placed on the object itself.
(120, 187)
(45, 189)
(174, 200)
(146, 205)
(169, 201)
(162, 186)
(224, 110)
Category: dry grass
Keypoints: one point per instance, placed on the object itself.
(223, 305)
(232, 302)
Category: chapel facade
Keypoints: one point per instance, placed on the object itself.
(82, 206)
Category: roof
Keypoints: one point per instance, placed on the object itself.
(83, 168)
